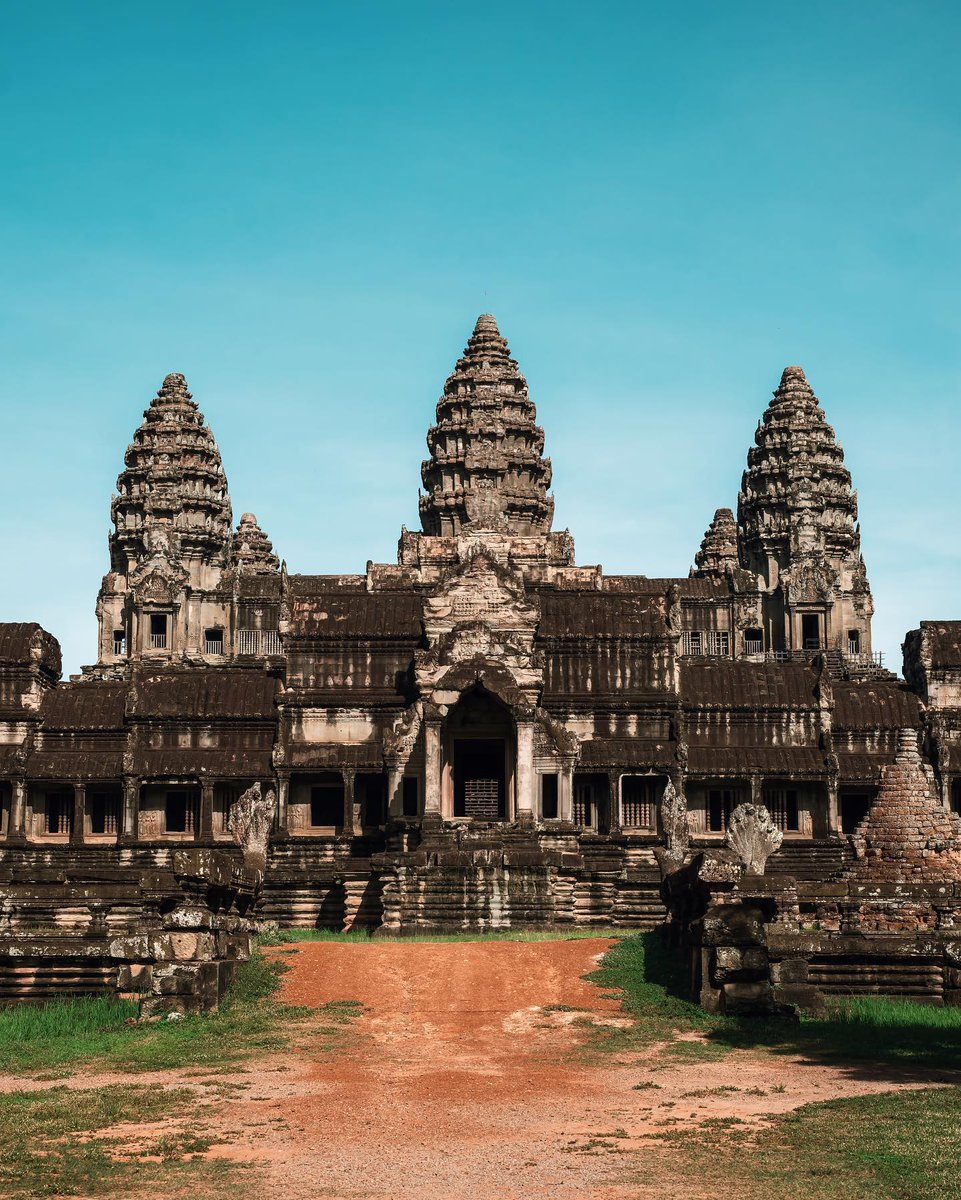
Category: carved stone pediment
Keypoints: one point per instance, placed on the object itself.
(480, 614)
(159, 577)
(812, 580)
(159, 587)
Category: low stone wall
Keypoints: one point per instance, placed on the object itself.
(170, 937)
(763, 945)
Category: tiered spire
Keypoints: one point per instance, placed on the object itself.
(718, 552)
(486, 469)
(796, 494)
(908, 836)
(251, 551)
(173, 493)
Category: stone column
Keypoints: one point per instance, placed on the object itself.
(757, 792)
(432, 768)
(395, 792)
(525, 779)
(565, 793)
(16, 833)
(78, 819)
(129, 831)
(834, 808)
(205, 831)
(613, 801)
(350, 823)
(281, 828)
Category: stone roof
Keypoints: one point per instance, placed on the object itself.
(26, 642)
(486, 469)
(872, 705)
(209, 694)
(726, 683)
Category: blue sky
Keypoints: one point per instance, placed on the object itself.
(304, 206)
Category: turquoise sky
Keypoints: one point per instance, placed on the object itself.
(304, 206)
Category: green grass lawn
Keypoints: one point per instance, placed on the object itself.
(647, 978)
(97, 1032)
(895, 1146)
(54, 1143)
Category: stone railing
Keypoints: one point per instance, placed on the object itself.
(260, 642)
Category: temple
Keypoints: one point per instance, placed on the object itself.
(483, 733)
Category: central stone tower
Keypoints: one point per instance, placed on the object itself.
(486, 469)
(487, 480)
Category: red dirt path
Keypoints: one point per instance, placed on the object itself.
(460, 1086)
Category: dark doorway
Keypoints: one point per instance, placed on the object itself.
(480, 778)
(854, 808)
(811, 631)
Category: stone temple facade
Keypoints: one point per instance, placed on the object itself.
(480, 734)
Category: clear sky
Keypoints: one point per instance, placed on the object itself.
(304, 206)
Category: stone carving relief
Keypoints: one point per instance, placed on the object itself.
(480, 614)
(753, 836)
(250, 819)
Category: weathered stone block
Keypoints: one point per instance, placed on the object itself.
(801, 995)
(790, 971)
(739, 962)
(747, 999)
(733, 925)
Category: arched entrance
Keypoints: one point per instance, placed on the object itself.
(480, 748)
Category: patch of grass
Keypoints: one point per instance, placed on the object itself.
(53, 1143)
(896, 1032)
(648, 979)
(641, 973)
(250, 1021)
(895, 1146)
(62, 1031)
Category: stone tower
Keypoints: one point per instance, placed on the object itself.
(487, 478)
(486, 469)
(717, 556)
(798, 531)
(163, 599)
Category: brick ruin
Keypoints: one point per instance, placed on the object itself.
(479, 736)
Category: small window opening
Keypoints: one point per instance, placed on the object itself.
(549, 808)
(721, 802)
(104, 813)
(854, 642)
(956, 796)
(158, 631)
(214, 641)
(639, 800)
(782, 804)
(410, 796)
(59, 812)
(371, 793)
(119, 643)
(753, 641)
(693, 642)
(855, 806)
(327, 804)
(181, 812)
